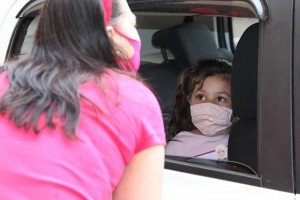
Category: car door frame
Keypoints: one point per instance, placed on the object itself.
(296, 91)
(275, 122)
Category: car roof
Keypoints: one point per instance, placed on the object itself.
(237, 8)
(230, 8)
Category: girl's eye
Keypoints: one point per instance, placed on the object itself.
(221, 99)
(200, 97)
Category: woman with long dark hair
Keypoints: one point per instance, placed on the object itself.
(75, 122)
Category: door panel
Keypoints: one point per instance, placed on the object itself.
(296, 89)
(275, 97)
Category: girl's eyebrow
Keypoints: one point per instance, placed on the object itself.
(224, 93)
(199, 90)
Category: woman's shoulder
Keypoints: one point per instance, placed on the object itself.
(141, 107)
(122, 91)
(130, 88)
(128, 81)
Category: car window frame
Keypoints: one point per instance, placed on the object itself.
(275, 80)
(296, 91)
(275, 170)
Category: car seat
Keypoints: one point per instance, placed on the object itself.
(242, 145)
(189, 42)
(162, 78)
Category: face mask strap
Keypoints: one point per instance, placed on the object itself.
(235, 120)
(107, 8)
(125, 36)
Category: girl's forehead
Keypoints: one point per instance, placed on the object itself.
(214, 80)
(198, 82)
(219, 77)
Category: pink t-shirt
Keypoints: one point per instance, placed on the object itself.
(116, 122)
(188, 144)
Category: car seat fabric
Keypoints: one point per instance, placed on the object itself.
(189, 42)
(242, 144)
(162, 78)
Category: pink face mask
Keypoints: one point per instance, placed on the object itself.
(131, 64)
(211, 119)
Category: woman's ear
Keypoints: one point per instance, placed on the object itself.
(110, 32)
(115, 39)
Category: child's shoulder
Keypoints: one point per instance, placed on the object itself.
(185, 135)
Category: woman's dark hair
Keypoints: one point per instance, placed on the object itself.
(189, 78)
(70, 44)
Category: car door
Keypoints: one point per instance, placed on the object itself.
(275, 174)
(296, 91)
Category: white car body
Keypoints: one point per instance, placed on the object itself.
(180, 186)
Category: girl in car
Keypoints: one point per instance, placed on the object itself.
(202, 115)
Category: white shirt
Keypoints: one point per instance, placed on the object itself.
(188, 144)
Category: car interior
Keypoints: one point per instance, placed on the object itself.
(189, 42)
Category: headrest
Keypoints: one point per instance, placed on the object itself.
(188, 42)
(244, 74)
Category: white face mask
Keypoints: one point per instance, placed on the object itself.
(211, 119)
